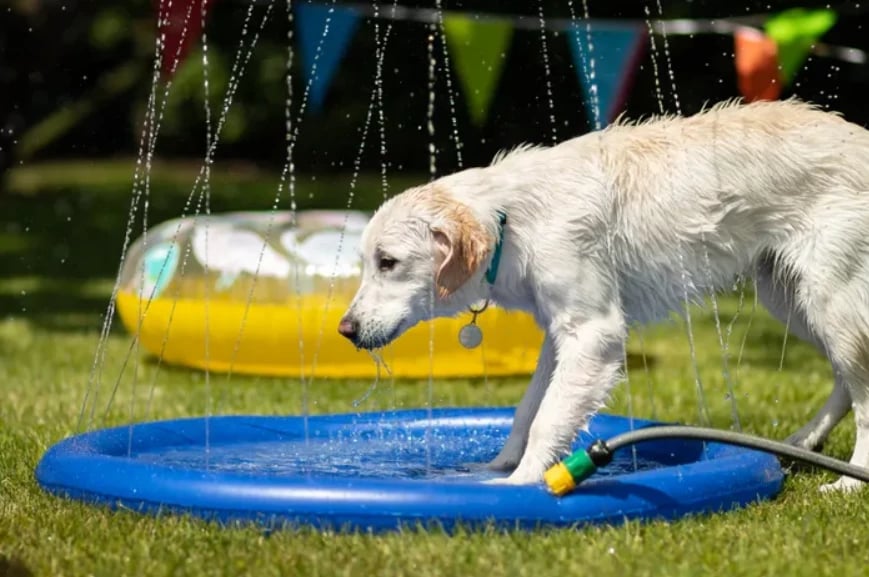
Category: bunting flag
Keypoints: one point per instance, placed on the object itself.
(330, 28)
(795, 31)
(616, 51)
(605, 55)
(757, 69)
(477, 49)
(181, 27)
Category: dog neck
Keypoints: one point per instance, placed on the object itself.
(492, 271)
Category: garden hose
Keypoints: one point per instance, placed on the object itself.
(566, 475)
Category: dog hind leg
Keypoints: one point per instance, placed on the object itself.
(860, 456)
(841, 321)
(855, 373)
(813, 434)
(778, 297)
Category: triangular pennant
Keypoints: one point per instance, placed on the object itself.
(756, 61)
(478, 53)
(181, 26)
(311, 29)
(794, 31)
(616, 50)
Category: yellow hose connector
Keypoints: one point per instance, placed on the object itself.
(559, 480)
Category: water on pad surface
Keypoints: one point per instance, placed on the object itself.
(378, 454)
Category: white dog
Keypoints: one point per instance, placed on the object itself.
(625, 226)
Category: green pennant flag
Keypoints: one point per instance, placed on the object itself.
(477, 48)
(794, 31)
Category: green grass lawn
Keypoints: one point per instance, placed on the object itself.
(59, 244)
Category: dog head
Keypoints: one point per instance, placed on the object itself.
(422, 252)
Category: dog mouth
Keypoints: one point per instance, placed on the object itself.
(370, 344)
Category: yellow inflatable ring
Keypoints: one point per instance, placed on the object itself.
(264, 297)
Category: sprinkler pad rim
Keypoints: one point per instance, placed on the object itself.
(101, 467)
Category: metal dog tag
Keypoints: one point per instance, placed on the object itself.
(471, 336)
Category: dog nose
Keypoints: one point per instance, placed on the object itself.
(348, 328)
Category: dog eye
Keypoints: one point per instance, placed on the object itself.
(386, 263)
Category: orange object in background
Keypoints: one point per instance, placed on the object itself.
(757, 68)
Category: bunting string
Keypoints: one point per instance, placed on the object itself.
(674, 27)
(769, 49)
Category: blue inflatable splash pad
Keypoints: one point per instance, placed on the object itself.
(385, 471)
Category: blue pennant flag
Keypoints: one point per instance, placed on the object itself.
(616, 50)
(311, 28)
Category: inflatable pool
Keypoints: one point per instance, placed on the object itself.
(265, 292)
(385, 471)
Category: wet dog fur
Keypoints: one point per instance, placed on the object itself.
(625, 226)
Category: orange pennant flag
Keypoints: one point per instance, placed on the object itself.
(757, 70)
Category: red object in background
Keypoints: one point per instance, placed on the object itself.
(757, 69)
(181, 23)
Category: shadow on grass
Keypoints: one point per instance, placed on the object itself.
(13, 567)
(57, 309)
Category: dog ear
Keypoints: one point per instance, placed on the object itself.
(463, 244)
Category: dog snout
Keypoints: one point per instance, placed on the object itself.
(349, 328)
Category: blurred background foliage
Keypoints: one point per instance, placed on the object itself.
(75, 77)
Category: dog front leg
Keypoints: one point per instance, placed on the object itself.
(588, 362)
(511, 453)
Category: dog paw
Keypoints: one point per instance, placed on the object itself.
(518, 477)
(502, 463)
(843, 485)
(498, 481)
(510, 481)
(509, 457)
(804, 441)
